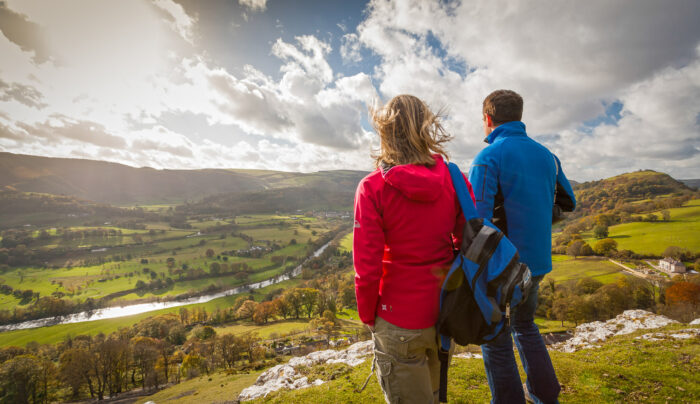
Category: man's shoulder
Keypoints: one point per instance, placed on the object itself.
(485, 156)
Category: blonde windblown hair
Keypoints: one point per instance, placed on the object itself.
(409, 132)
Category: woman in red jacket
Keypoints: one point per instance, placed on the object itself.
(407, 220)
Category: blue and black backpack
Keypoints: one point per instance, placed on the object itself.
(486, 281)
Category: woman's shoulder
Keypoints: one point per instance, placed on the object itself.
(371, 183)
(373, 177)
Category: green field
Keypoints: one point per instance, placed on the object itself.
(56, 333)
(683, 230)
(78, 282)
(280, 328)
(346, 243)
(567, 268)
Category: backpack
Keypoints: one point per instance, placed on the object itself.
(486, 280)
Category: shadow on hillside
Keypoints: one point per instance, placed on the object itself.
(155, 292)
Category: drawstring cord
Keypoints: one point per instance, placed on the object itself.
(369, 376)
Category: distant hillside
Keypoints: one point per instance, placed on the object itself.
(19, 208)
(629, 187)
(119, 184)
(332, 190)
(692, 183)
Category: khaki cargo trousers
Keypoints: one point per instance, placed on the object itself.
(408, 368)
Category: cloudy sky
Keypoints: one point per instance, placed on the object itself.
(610, 86)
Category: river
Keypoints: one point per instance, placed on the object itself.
(121, 311)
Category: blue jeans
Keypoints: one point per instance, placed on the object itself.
(499, 359)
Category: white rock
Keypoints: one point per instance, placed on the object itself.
(679, 334)
(695, 322)
(468, 355)
(586, 335)
(286, 377)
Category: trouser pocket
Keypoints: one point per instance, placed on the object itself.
(385, 365)
(396, 341)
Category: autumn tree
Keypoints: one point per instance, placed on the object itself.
(587, 286)
(282, 308)
(146, 354)
(111, 359)
(600, 231)
(683, 292)
(19, 379)
(209, 253)
(229, 348)
(574, 249)
(249, 342)
(263, 312)
(586, 250)
(679, 253)
(75, 370)
(184, 315)
(605, 246)
(561, 310)
(309, 300)
(293, 298)
(247, 309)
(666, 215)
(192, 365)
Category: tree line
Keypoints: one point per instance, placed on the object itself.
(589, 300)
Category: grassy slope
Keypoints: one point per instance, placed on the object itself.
(218, 387)
(264, 331)
(623, 370)
(653, 237)
(346, 243)
(566, 268)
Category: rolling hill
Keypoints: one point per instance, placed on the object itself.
(123, 185)
(639, 185)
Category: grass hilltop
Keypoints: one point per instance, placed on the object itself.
(656, 365)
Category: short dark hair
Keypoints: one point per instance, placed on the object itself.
(504, 106)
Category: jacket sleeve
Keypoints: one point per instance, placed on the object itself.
(565, 194)
(368, 251)
(483, 176)
(458, 231)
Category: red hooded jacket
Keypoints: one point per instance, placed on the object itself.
(407, 220)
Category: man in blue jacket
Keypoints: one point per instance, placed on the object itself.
(514, 181)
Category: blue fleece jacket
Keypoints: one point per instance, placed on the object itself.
(515, 176)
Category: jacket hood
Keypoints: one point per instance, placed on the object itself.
(417, 182)
(513, 128)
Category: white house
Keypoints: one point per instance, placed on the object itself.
(671, 266)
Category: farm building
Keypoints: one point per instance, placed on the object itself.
(671, 266)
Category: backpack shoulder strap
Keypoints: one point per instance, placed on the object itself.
(465, 199)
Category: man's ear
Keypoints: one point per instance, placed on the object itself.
(488, 120)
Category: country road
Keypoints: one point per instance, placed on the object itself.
(635, 273)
